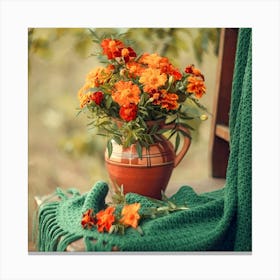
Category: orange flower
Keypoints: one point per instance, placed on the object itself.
(128, 112)
(155, 61)
(112, 48)
(192, 70)
(135, 69)
(130, 215)
(88, 220)
(97, 97)
(98, 76)
(166, 100)
(152, 60)
(158, 62)
(84, 95)
(169, 101)
(152, 79)
(128, 54)
(126, 93)
(105, 219)
(189, 69)
(196, 86)
(175, 73)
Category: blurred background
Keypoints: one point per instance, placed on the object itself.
(62, 152)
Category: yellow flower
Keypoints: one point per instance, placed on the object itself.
(153, 60)
(152, 79)
(126, 93)
(130, 215)
(162, 63)
(98, 76)
(135, 69)
(84, 95)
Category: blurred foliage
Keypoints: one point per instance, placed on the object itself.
(41, 43)
(164, 41)
(170, 41)
(81, 144)
(204, 38)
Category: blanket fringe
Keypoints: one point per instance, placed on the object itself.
(47, 234)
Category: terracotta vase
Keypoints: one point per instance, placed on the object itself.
(150, 174)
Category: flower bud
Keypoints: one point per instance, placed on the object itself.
(170, 80)
(203, 117)
(123, 72)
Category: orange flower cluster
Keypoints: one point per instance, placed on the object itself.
(116, 49)
(196, 86)
(104, 219)
(153, 73)
(94, 78)
(155, 61)
(99, 76)
(165, 99)
(196, 81)
(136, 89)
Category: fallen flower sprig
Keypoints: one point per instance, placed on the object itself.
(119, 214)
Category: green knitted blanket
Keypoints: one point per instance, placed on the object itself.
(215, 221)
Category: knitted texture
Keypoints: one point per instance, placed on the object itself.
(215, 221)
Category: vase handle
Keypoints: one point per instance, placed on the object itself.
(186, 143)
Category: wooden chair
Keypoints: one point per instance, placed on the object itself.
(219, 142)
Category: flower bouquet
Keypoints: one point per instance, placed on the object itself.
(131, 91)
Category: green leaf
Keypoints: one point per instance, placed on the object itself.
(196, 102)
(139, 149)
(185, 134)
(163, 130)
(177, 142)
(172, 119)
(164, 197)
(108, 103)
(91, 123)
(172, 134)
(139, 229)
(94, 35)
(154, 129)
(118, 139)
(187, 126)
(102, 134)
(79, 112)
(110, 148)
(171, 204)
(184, 116)
(92, 89)
(112, 229)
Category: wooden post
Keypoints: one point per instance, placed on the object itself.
(219, 143)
